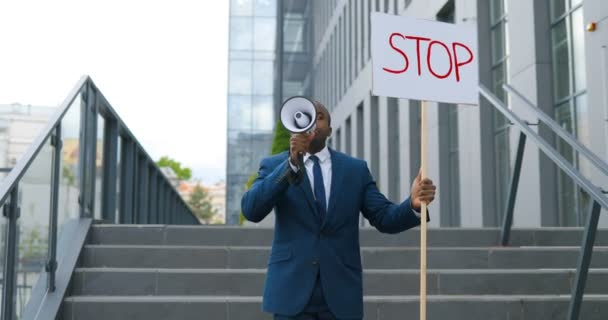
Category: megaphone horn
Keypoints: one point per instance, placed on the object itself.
(298, 114)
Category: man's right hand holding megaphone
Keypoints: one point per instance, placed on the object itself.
(299, 144)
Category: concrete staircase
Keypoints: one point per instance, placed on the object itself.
(193, 272)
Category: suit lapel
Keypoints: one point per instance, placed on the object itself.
(337, 173)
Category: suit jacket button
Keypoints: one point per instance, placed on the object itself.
(315, 262)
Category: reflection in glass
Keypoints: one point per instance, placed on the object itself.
(498, 43)
(496, 9)
(241, 7)
(561, 65)
(240, 77)
(578, 48)
(264, 34)
(294, 34)
(263, 78)
(263, 114)
(241, 33)
(33, 224)
(566, 187)
(558, 8)
(265, 8)
(498, 79)
(239, 112)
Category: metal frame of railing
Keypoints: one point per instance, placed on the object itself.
(139, 176)
(599, 199)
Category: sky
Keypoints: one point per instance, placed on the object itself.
(162, 65)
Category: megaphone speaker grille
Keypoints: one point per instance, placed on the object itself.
(298, 114)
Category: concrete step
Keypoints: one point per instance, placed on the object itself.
(252, 236)
(163, 256)
(249, 282)
(439, 307)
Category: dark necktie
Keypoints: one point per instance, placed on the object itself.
(319, 187)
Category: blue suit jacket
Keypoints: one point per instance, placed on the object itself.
(304, 245)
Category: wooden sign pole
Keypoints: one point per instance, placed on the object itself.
(423, 214)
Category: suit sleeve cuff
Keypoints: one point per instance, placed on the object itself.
(416, 212)
(293, 167)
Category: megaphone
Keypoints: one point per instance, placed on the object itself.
(298, 115)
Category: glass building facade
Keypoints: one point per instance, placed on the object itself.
(570, 101)
(250, 94)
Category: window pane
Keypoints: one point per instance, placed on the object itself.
(262, 113)
(498, 42)
(503, 169)
(582, 119)
(564, 116)
(263, 75)
(264, 34)
(240, 77)
(558, 8)
(566, 188)
(265, 8)
(498, 78)
(497, 9)
(561, 67)
(294, 35)
(241, 7)
(241, 34)
(574, 3)
(239, 113)
(578, 44)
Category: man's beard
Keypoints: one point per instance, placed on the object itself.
(317, 144)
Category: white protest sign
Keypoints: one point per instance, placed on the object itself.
(423, 59)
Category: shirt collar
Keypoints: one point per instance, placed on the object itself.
(322, 155)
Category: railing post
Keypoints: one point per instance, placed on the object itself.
(126, 182)
(508, 214)
(144, 172)
(11, 212)
(135, 185)
(51, 264)
(88, 146)
(153, 199)
(578, 286)
(161, 200)
(110, 153)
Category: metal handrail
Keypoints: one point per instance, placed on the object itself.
(137, 171)
(567, 136)
(28, 157)
(549, 151)
(599, 199)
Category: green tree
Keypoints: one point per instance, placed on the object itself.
(183, 173)
(201, 205)
(280, 143)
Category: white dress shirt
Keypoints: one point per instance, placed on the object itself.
(325, 163)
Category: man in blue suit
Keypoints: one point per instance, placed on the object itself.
(314, 269)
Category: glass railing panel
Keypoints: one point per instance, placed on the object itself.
(33, 224)
(3, 231)
(98, 166)
(69, 185)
